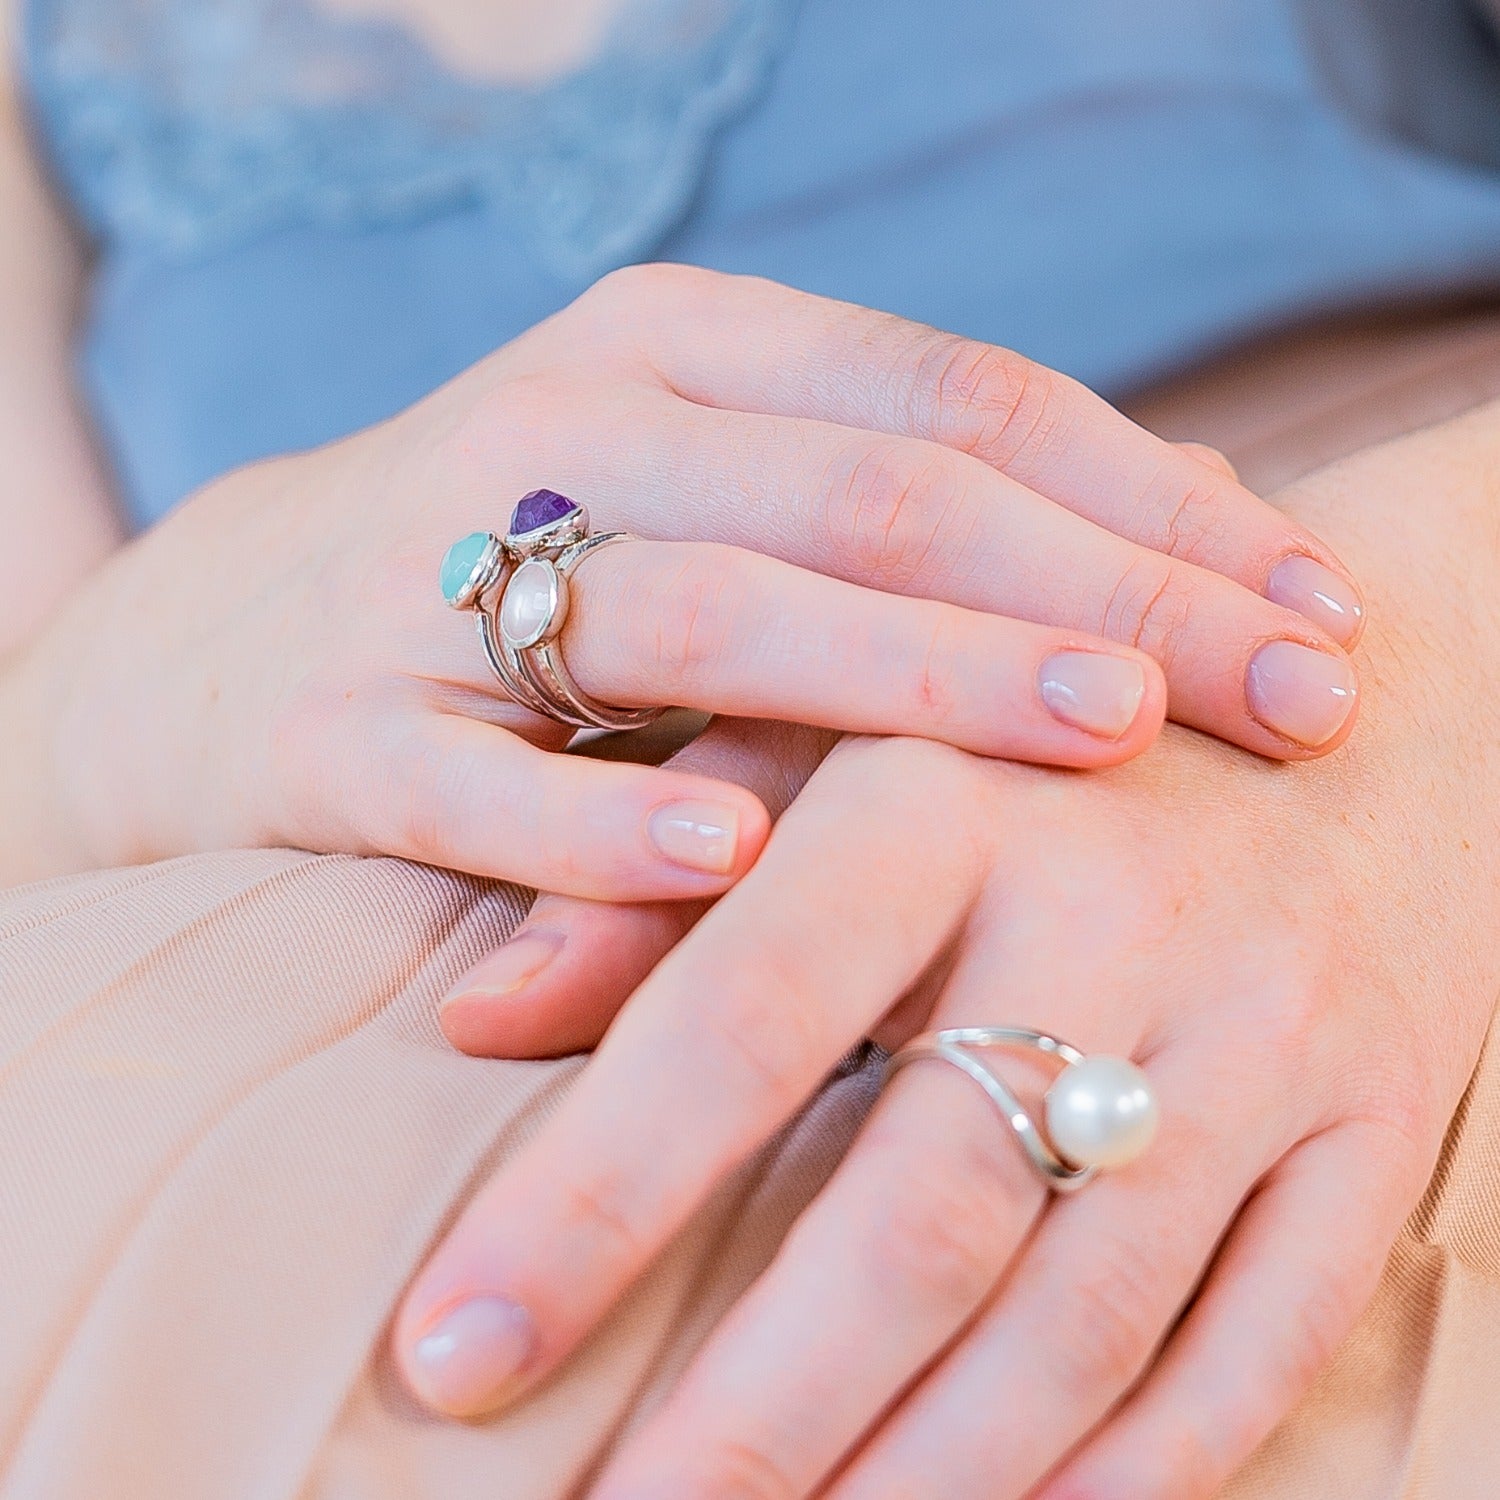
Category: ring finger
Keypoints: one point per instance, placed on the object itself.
(1081, 1313)
(711, 627)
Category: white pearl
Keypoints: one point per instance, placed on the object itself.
(528, 604)
(1101, 1112)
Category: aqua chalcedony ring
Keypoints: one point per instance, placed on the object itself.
(1100, 1111)
(518, 587)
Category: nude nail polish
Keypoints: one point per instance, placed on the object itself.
(1093, 691)
(511, 967)
(700, 836)
(1318, 594)
(467, 1364)
(1303, 695)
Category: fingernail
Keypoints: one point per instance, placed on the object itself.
(1093, 691)
(467, 1363)
(1302, 694)
(1318, 594)
(698, 835)
(510, 967)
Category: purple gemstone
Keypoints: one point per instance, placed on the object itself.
(539, 508)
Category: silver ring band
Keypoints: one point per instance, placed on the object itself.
(1103, 1106)
(548, 537)
(546, 674)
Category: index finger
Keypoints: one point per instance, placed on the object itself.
(721, 1045)
(799, 355)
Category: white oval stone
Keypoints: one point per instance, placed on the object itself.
(529, 602)
(1101, 1112)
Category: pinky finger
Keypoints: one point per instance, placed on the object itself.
(556, 985)
(1293, 1276)
(473, 797)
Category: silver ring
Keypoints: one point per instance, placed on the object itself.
(518, 587)
(1100, 1110)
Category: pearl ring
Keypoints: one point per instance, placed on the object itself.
(1100, 1111)
(518, 587)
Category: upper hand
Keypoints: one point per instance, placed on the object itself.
(1304, 961)
(855, 522)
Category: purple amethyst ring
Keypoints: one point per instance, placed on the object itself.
(518, 587)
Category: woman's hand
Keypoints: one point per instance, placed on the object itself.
(1303, 959)
(274, 664)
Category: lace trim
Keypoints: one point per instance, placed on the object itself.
(192, 124)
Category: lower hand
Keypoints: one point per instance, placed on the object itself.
(1304, 961)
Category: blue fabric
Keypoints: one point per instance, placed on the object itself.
(1109, 188)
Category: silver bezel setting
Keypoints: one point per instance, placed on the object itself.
(557, 605)
(562, 532)
(483, 576)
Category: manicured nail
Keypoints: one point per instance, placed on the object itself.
(1318, 594)
(1302, 694)
(698, 835)
(1093, 691)
(510, 967)
(467, 1364)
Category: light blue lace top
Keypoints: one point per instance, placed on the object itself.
(305, 222)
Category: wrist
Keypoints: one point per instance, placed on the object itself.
(1418, 521)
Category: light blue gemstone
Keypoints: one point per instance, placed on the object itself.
(459, 563)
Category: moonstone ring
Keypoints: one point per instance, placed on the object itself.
(518, 587)
(1100, 1111)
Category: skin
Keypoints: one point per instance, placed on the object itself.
(913, 524)
(182, 728)
(519, 41)
(953, 485)
(54, 497)
(1304, 960)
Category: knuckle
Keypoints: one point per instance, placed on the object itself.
(757, 1032)
(508, 405)
(695, 616)
(1118, 1483)
(649, 287)
(569, 862)
(935, 683)
(946, 1232)
(1322, 1313)
(598, 1207)
(924, 779)
(1179, 516)
(1116, 1321)
(428, 792)
(1191, 1467)
(1146, 608)
(888, 508)
(1195, 1469)
(941, 1242)
(743, 1471)
(631, 286)
(1290, 1016)
(1215, 458)
(1404, 1105)
(622, 314)
(986, 401)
